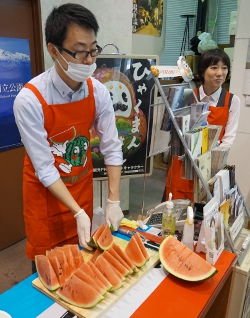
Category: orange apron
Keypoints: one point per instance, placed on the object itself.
(183, 188)
(49, 223)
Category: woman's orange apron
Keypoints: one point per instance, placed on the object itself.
(182, 188)
(48, 223)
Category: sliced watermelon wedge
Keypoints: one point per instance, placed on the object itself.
(46, 272)
(105, 241)
(100, 276)
(106, 269)
(115, 263)
(94, 238)
(77, 254)
(180, 261)
(141, 245)
(134, 253)
(118, 257)
(89, 280)
(96, 254)
(125, 257)
(58, 266)
(69, 256)
(87, 269)
(79, 293)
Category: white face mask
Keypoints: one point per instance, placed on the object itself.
(78, 72)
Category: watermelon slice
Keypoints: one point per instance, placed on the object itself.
(125, 257)
(122, 278)
(180, 261)
(134, 253)
(115, 263)
(87, 269)
(94, 238)
(46, 272)
(77, 254)
(108, 272)
(100, 276)
(96, 254)
(69, 256)
(141, 245)
(89, 280)
(105, 241)
(58, 262)
(78, 293)
(118, 257)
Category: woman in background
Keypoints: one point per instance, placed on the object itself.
(224, 107)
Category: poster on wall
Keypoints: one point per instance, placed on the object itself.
(147, 17)
(131, 84)
(15, 71)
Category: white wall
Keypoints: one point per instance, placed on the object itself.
(240, 152)
(114, 18)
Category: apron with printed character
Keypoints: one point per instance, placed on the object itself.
(182, 188)
(49, 223)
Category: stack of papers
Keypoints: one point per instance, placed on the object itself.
(219, 159)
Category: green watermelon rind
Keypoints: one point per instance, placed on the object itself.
(205, 276)
(95, 236)
(50, 286)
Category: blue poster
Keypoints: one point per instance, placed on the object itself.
(15, 72)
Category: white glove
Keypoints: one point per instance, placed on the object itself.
(83, 228)
(113, 214)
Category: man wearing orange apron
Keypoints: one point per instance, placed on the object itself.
(213, 69)
(54, 113)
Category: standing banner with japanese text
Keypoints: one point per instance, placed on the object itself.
(15, 71)
(130, 83)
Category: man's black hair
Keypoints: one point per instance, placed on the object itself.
(62, 17)
(212, 57)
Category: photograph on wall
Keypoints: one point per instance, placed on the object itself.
(15, 72)
(147, 17)
(131, 84)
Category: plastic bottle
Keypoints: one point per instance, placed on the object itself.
(98, 218)
(188, 232)
(168, 218)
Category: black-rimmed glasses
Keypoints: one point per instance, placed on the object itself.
(82, 55)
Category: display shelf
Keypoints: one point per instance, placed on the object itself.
(160, 85)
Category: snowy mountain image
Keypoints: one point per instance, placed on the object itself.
(15, 72)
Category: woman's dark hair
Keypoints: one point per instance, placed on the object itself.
(212, 57)
(62, 17)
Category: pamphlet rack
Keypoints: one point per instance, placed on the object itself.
(171, 114)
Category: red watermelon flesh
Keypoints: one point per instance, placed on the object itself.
(107, 271)
(122, 278)
(180, 261)
(105, 241)
(96, 254)
(134, 253)
(87, 269)
(46, 272)
(89, 280)
(79, 293)
(77, 255)
(118, 257)
(125, 257)
(103, 279)
(69, 256)
(115, 263)
(141, 245)
(59, 266)
(94, 238)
